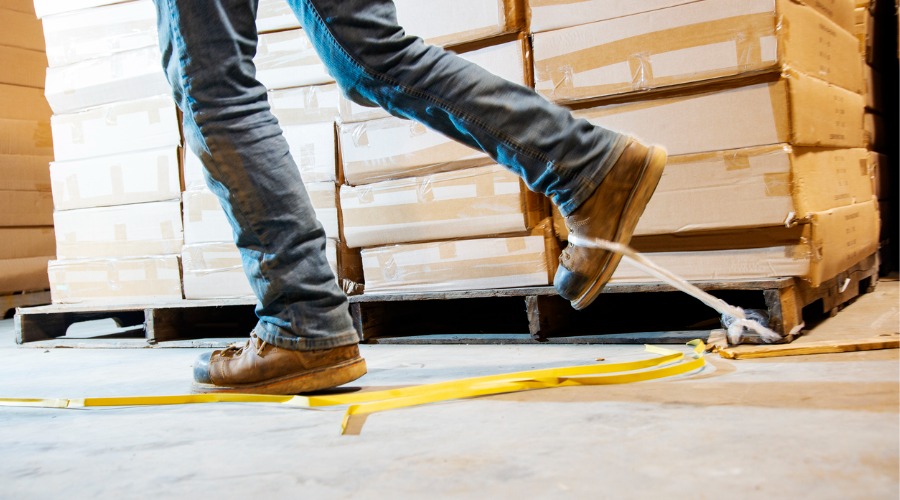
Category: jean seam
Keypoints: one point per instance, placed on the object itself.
(505, 139)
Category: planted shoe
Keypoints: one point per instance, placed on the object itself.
(261, 368)
(611, 214)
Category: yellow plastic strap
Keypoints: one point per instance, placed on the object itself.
(361, 404)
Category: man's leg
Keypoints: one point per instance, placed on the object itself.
(568, 160)
(208, 50)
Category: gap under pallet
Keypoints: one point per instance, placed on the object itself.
(626, 310)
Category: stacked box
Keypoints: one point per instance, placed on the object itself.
(116, 175)
(432, 214)
(760, 105)
(874, 21)
(26, 207)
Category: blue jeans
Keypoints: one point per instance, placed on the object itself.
(208, 48)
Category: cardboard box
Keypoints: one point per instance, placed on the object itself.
(215, 271)
(392, 148)
(26, 137)
(662, 48)
(287, 59)
(45, 8)
(313, 147)
(798, 109)
(461, 204)
(24, 172)
(100, 32)
(549, 15)
(275, 15)
(728, 265)
(117, 128)
(20, 29)
(841, 238)
(23, 67)
(438, 23)
(459, 21)
(26, 208)
(155, 279)
(205, 221)
(506, 60)
(24, 275)
(24, 242)
(121, 77)
(457, 265)
(879, 165)
(138, 177)
(303, 105)
(135, 230)
(23, 103)
(755, 187)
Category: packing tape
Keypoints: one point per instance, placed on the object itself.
(361, 404)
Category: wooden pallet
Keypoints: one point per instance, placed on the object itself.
(623, 313)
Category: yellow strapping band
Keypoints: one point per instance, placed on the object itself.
(362, 404)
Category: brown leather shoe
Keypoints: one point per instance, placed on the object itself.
(261, 368)
(611, 214)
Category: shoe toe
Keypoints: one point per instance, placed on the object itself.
(569, 284)
(201, 368)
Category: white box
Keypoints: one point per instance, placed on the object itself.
(100, 32)
(301, 105)
(138, 177)
(120, 231)
(392, 148)
(448, 23)
(549, 15)
(468, 203)
(287, 59)
(121, 77)
(117, 128)
(314, 149)
(205, 221)
(275, 15)
(155, 279)
(457, 265)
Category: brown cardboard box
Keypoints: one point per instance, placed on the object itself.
(665, 48)
(99, 32)
(20, 28)
(461, 204)
(24, 275)
(23, 67)
(841, 238)
(26, 137)
(133, 230)
(154, 279)
(23, 103)
(24, 172)
(24, 242)
(26, 208)
(878, 167)
(875, 132)
(765, 186)
(45, 8)
(116, 128)
(138, 177)
(796, 109)
(458, 265)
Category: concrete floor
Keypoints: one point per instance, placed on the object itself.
(823, 426)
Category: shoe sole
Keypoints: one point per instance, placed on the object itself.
(644, 188)
(323, 378)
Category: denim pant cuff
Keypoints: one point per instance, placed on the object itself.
(590, 178)
(279, 337)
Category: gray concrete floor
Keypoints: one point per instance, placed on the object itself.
(823, 426)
